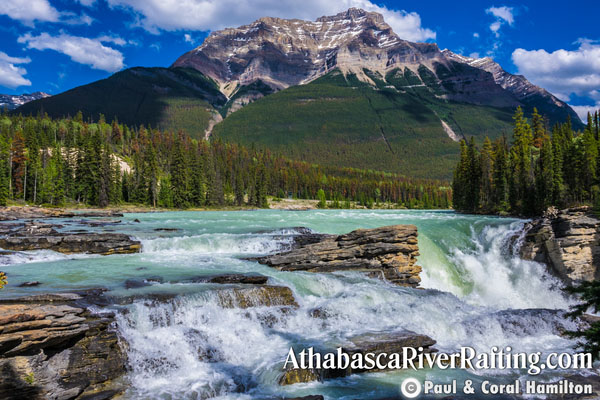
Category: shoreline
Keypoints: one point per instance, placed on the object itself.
(26, 211)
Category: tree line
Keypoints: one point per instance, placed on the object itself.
(64, 161)
(538, 169)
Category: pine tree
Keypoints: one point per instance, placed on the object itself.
(544, 175)
(261, 188)
(165, 194)
(239, 187)
(322, 199)
(4, 169)
(151, 174)
(590, 297)
(473, 178)
(500, 176)
(459, 183)
(590, 156)
(521, 194)
(487, 175)
(179, 175)
(19, 164)
(105, 178)
(539, 129)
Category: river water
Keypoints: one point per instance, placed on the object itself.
(477, 293)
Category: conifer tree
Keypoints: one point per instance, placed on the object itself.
(4, 169)
(487, 175)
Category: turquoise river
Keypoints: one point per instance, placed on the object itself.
(476, 293)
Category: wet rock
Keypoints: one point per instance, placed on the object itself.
(389, 252)
(14, 213)
(45, 237)
(568, 241)
(392, 342)
(293, 376)
(100, 222)
(139, 283)
(248, 279)
(313, 397)
(100, 213)
(30, 284)
(54, 350)
(166, 229)
(318, 313)
(260, 296)
(137, 221)
(375, 343)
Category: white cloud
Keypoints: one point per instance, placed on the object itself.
(87, 3)
(583, 111)
(11, 76)
(474, 55)
(210, 15)
(29, 11)
(504, 15)
(188, 38)
(81, 50)
(476, 35)
(564, 72)
(74, 19)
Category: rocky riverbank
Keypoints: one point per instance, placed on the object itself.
(568, 241)
(52, 348)
(44, 236)
(388, 252)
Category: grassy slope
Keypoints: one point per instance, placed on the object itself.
(178, 98)
(340, 121)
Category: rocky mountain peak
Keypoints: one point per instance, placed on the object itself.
(284, 53)
(12, 101)
(280, 53)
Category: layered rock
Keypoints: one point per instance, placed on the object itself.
(568, 241)
(34, 236)
(374, 343)
(389, 252)
(53, 349)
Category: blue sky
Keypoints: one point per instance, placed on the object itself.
(55, 45)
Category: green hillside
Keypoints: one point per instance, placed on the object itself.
(168, 98)
(340, 121)
(393, 123)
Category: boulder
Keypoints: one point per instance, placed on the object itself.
(376, 343)
(34, 236)
(55, 350)
(257, 296)
(568, 241)
(248, 279)
(389, 253)
(14, 213)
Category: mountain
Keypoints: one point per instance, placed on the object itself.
(283, 53)
(169, 98)
(12, 101)
(343, 90)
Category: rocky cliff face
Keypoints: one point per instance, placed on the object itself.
(283, 53)
(51, 348)
(568, 241)
(389, 253)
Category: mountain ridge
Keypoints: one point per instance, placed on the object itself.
(289, 52)
(12, 101)
(343, 90)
